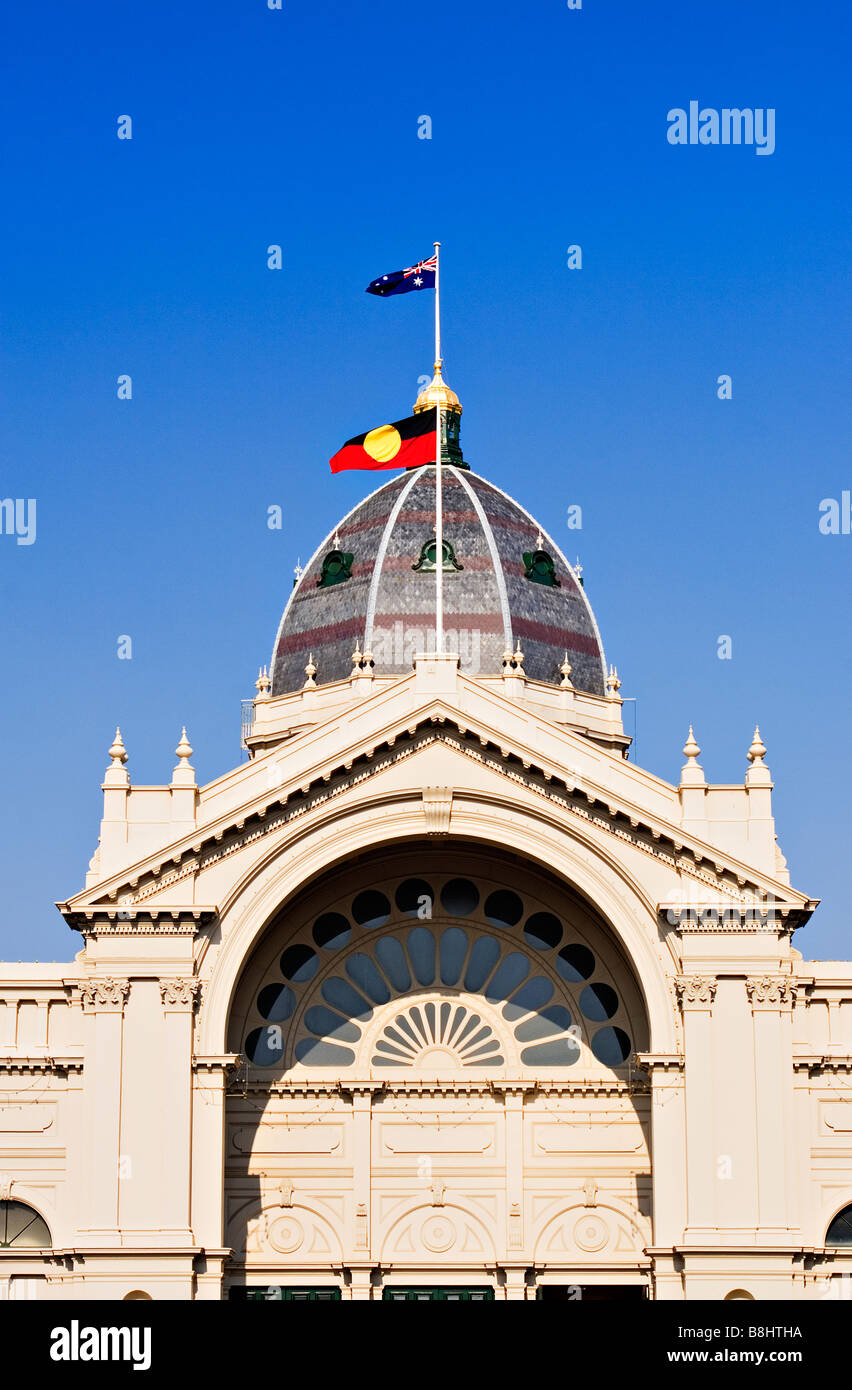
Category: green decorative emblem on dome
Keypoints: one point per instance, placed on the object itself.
(426, 563)
(538, 566)
(336, 568)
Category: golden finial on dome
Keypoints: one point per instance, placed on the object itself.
(437, 393)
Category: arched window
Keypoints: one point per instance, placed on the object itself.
(336, 569)
(21, 1228)
(539, 567)
(427, 563)
(840, 1230)
(444, 975)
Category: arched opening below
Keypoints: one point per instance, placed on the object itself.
(438, 1067)
(22, 1228)
(839, 1232)
(436, 960)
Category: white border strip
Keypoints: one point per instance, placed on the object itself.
(495, 559)
(329, 537)
(569, 567)
(380, 557)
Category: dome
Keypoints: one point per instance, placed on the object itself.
(372, 584)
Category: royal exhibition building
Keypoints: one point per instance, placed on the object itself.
(437, 995)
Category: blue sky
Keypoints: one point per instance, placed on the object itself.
(594, 387)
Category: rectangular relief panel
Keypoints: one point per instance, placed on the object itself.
(415, 1137)
(557, 1138)
(315, 1138)
(28, 1117)
(835, 1117)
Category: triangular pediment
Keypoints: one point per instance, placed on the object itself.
(389, 741)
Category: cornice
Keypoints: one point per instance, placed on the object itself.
(131, 919)
(58, 1064)
(822, 1062)
(122, 1252)
(124, 894)
(725, 1251)
(224, 1062)
(497, 1087)
(654, 1062)
(714, 917)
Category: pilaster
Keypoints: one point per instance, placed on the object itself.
(210, 1076)
(179, 999)
(696, 994)
(514, 1113)
(772, 998)
(103, 1002)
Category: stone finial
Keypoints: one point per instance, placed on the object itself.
(367, 659)
(263, 684)
(539, 541)
(613, 684)
(566, 669)
(184, 749)
(692, 779)
(298, 570)
(310, 672)
(757, 751)
(357, 658)
(690, 748)
(117, 751)
(508, 657)
(518, 659)
(757, 774)
(335, 544)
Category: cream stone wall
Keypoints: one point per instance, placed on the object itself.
(163, 1161)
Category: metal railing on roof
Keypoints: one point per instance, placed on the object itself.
(246, 722)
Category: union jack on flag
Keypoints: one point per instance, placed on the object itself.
(415, 277)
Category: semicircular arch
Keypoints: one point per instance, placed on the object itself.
(574, 859)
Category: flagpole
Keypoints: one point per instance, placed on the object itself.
(439, 500)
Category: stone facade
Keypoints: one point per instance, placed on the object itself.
(436, 989)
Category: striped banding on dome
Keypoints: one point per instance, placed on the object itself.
(388, 606)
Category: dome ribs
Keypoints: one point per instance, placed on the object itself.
(489, 603)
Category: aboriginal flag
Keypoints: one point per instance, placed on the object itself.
(406, 444)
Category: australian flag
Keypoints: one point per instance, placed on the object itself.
(417, 277)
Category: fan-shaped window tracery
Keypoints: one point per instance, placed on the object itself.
(498, 980)
(21, 1228)
(840, 1230)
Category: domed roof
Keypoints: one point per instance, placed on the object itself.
(372, 584)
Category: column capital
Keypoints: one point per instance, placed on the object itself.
(771, 991)
(695, 991)
(104, 996)
(180, 996)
